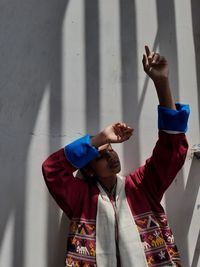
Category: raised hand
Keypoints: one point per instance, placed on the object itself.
(155, 66)
(115, 133)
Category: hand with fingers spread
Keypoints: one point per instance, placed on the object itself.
(155, 65)
(115, 133)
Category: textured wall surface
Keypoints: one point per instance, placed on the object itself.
(72, 67)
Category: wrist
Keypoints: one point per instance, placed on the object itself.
(98, 140)
(161, 81)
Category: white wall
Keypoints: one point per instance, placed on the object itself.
(71, 67)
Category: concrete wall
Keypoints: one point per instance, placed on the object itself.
(72, 67)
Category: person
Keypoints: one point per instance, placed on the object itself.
(117, 220)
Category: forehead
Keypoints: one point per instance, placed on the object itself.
(104, 147)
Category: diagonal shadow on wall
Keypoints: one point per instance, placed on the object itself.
(92, 66)
(92, 76)
(57, 230)
(31, 54)
(195, 260)
(188, 205)
(195, 8)
(168, 47)
(129, 83)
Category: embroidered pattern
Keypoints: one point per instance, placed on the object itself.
(81, 243)
(155, 234)
(157, 239)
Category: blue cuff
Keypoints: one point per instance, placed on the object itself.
(80, 152)
(173, 120)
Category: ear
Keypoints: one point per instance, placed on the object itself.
(88, 171)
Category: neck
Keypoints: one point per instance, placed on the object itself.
(108, 182)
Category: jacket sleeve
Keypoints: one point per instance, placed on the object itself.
(169, 153)
(58, 173)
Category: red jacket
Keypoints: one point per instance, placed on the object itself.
(144, 189)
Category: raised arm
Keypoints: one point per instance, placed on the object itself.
(171, 148)
(171, 117)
